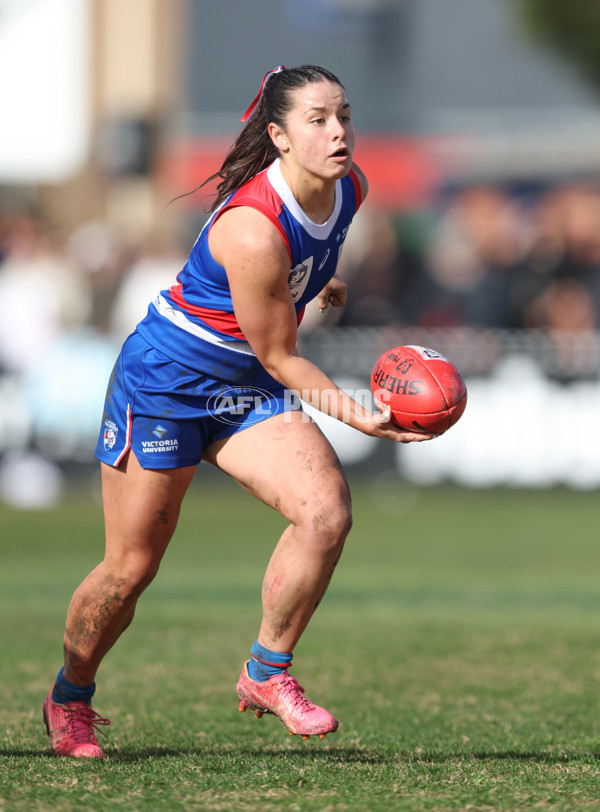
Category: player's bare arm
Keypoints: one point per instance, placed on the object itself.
(257, 264)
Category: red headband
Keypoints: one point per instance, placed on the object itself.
(250, 110)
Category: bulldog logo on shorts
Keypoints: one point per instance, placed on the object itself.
(110, 434)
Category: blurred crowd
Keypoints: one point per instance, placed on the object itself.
(91, 281)
(68, 303)
(484, 256)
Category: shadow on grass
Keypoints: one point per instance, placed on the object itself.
(559, 757)
(349, 755)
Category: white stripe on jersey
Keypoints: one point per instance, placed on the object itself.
(179, 319)
(320, 231)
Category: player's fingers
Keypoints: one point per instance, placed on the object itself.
(323, 300)
(418, 438)
(384, 416)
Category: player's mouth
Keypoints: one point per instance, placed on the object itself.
(341, 155)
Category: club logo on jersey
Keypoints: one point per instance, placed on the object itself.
(298, 278)
(110, 434)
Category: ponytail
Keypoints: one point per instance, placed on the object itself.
(253, 150)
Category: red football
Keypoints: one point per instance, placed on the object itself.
(424, 390)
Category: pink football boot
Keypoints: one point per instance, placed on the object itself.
(282, 696)
(71, 728)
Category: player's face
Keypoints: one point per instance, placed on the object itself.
(318, 136)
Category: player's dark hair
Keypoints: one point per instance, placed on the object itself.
(253, 150)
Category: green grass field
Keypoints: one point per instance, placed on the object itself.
(459, 645)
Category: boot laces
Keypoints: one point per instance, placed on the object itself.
(85, 722)
(295, 692)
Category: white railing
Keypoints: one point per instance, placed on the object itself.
(532, 419)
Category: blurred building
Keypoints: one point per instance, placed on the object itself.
(94, 80)
(479, 237)
(128, 104)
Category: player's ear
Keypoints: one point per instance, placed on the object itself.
(278, 137)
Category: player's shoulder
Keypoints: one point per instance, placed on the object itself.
(362, 180)
(247, 230)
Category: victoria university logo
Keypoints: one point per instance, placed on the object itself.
(163, 444)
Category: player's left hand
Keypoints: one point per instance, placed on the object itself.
(382, 425)
(334, 293)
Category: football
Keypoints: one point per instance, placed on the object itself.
(424, 390)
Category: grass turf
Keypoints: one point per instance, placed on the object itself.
(458, 645)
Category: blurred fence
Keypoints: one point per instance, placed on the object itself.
(532, 418)
(566, 356)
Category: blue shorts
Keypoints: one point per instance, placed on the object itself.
(169, 414)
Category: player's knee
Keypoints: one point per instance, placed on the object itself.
(143, 578)
(135, 573)
(341, 519)
(331, 523)
(143, 574)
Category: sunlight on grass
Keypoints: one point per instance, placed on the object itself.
(459, 645)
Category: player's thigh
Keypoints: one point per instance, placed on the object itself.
(141, 506)
(288, 463)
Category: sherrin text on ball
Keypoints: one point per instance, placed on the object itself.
(423, 390)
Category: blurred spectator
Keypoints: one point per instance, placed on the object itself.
(41, 291)
(475, 249)
(156, 268)
(581, 230)
(103, 257)
(541, 262)
(566, 305)
(382, 271)
(563, 266)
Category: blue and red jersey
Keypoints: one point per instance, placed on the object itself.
(194, 323)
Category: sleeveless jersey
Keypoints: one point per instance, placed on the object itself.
(193, 322)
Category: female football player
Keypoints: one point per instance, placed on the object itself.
(210, 373)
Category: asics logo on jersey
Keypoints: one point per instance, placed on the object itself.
(341, 235)
(325, 258)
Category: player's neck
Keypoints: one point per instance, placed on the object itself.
(315, 196)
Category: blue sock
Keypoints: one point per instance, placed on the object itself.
(265, 663)
(65, 691)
